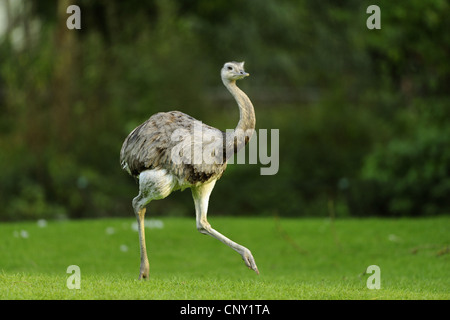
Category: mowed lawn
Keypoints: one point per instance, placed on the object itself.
(297, 259)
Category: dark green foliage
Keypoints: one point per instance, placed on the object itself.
(362, 113)
(411, 174)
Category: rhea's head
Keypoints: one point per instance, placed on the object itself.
(233, 71)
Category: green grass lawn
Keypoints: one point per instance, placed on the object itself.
(297, 259)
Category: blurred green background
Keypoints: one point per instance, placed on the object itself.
(363, 114)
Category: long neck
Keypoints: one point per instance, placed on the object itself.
(240, 136)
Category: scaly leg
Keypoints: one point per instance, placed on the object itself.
(153, 185)
(140, 215)
(201, 198)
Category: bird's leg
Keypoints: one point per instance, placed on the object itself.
(140, 215)
(153, 185)
(201, 198)
(243, 251)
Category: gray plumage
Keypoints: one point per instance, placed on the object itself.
(172, 150)
(152, 144)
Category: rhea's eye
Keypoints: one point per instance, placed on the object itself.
(230, 68)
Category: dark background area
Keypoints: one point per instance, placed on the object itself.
(362, 114)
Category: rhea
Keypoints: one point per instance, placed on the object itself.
(162, 154)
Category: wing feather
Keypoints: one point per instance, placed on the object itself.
(197, 148)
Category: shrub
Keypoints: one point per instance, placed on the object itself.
(410, 176)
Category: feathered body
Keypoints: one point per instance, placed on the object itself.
(172, 151)
(156, 143)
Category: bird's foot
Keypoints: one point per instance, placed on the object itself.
(144, 271)
(250, 261)
(143, 276)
